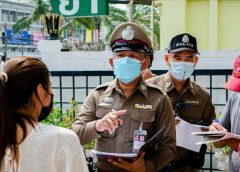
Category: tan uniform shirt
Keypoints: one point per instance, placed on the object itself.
(107, 97)
(196, 102)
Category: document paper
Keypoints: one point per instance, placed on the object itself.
(184, 135)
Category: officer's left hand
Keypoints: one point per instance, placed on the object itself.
(136, 166)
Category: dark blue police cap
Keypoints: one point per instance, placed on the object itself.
(183, 42)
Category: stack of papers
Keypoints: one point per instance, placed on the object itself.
(183, 135)
(214, 136)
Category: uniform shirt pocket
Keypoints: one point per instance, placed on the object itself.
(142, 115)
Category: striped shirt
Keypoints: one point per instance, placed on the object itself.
(230, 120)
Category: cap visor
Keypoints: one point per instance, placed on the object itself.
(128, 49)
(183, 49)
(233, 84)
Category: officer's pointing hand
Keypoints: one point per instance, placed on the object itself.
(110, 121)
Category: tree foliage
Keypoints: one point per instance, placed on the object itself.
(41, 8)
(141, 15)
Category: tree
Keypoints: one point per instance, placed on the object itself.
(115, 17)
(142, 16)
(41, 8)
(74, 23)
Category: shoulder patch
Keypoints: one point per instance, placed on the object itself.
(156, 87)
(199, 89)
(158, 80)
(103, 85)
(152, 80)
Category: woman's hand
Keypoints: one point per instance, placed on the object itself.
(215, 126)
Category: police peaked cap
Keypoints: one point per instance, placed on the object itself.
(129, 37)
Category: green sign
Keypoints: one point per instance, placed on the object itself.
(76, 8)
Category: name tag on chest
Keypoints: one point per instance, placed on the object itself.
(192, 102)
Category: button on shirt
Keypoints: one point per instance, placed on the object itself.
(155, 114)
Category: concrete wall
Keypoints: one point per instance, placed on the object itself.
(98, 61)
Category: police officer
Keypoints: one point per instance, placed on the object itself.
(130, 102)
(147, 73)
(190, 101)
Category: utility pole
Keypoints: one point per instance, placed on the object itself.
(4, 58)
(130, 11)
(152, 23)
(22, 45)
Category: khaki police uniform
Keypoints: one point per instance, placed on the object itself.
(199, 107)
(147, 104)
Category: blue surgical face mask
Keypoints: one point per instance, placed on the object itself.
(181, 70)
(126, 69)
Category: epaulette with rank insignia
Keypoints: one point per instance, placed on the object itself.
(156, 87)
(104, 85)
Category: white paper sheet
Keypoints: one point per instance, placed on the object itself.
(184, 137)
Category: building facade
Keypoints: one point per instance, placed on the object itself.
(215, 23)
(25, 41)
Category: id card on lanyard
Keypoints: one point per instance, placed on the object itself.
(139, 138)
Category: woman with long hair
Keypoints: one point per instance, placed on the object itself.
(25, 144)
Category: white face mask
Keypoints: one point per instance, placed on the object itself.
(181, 70)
